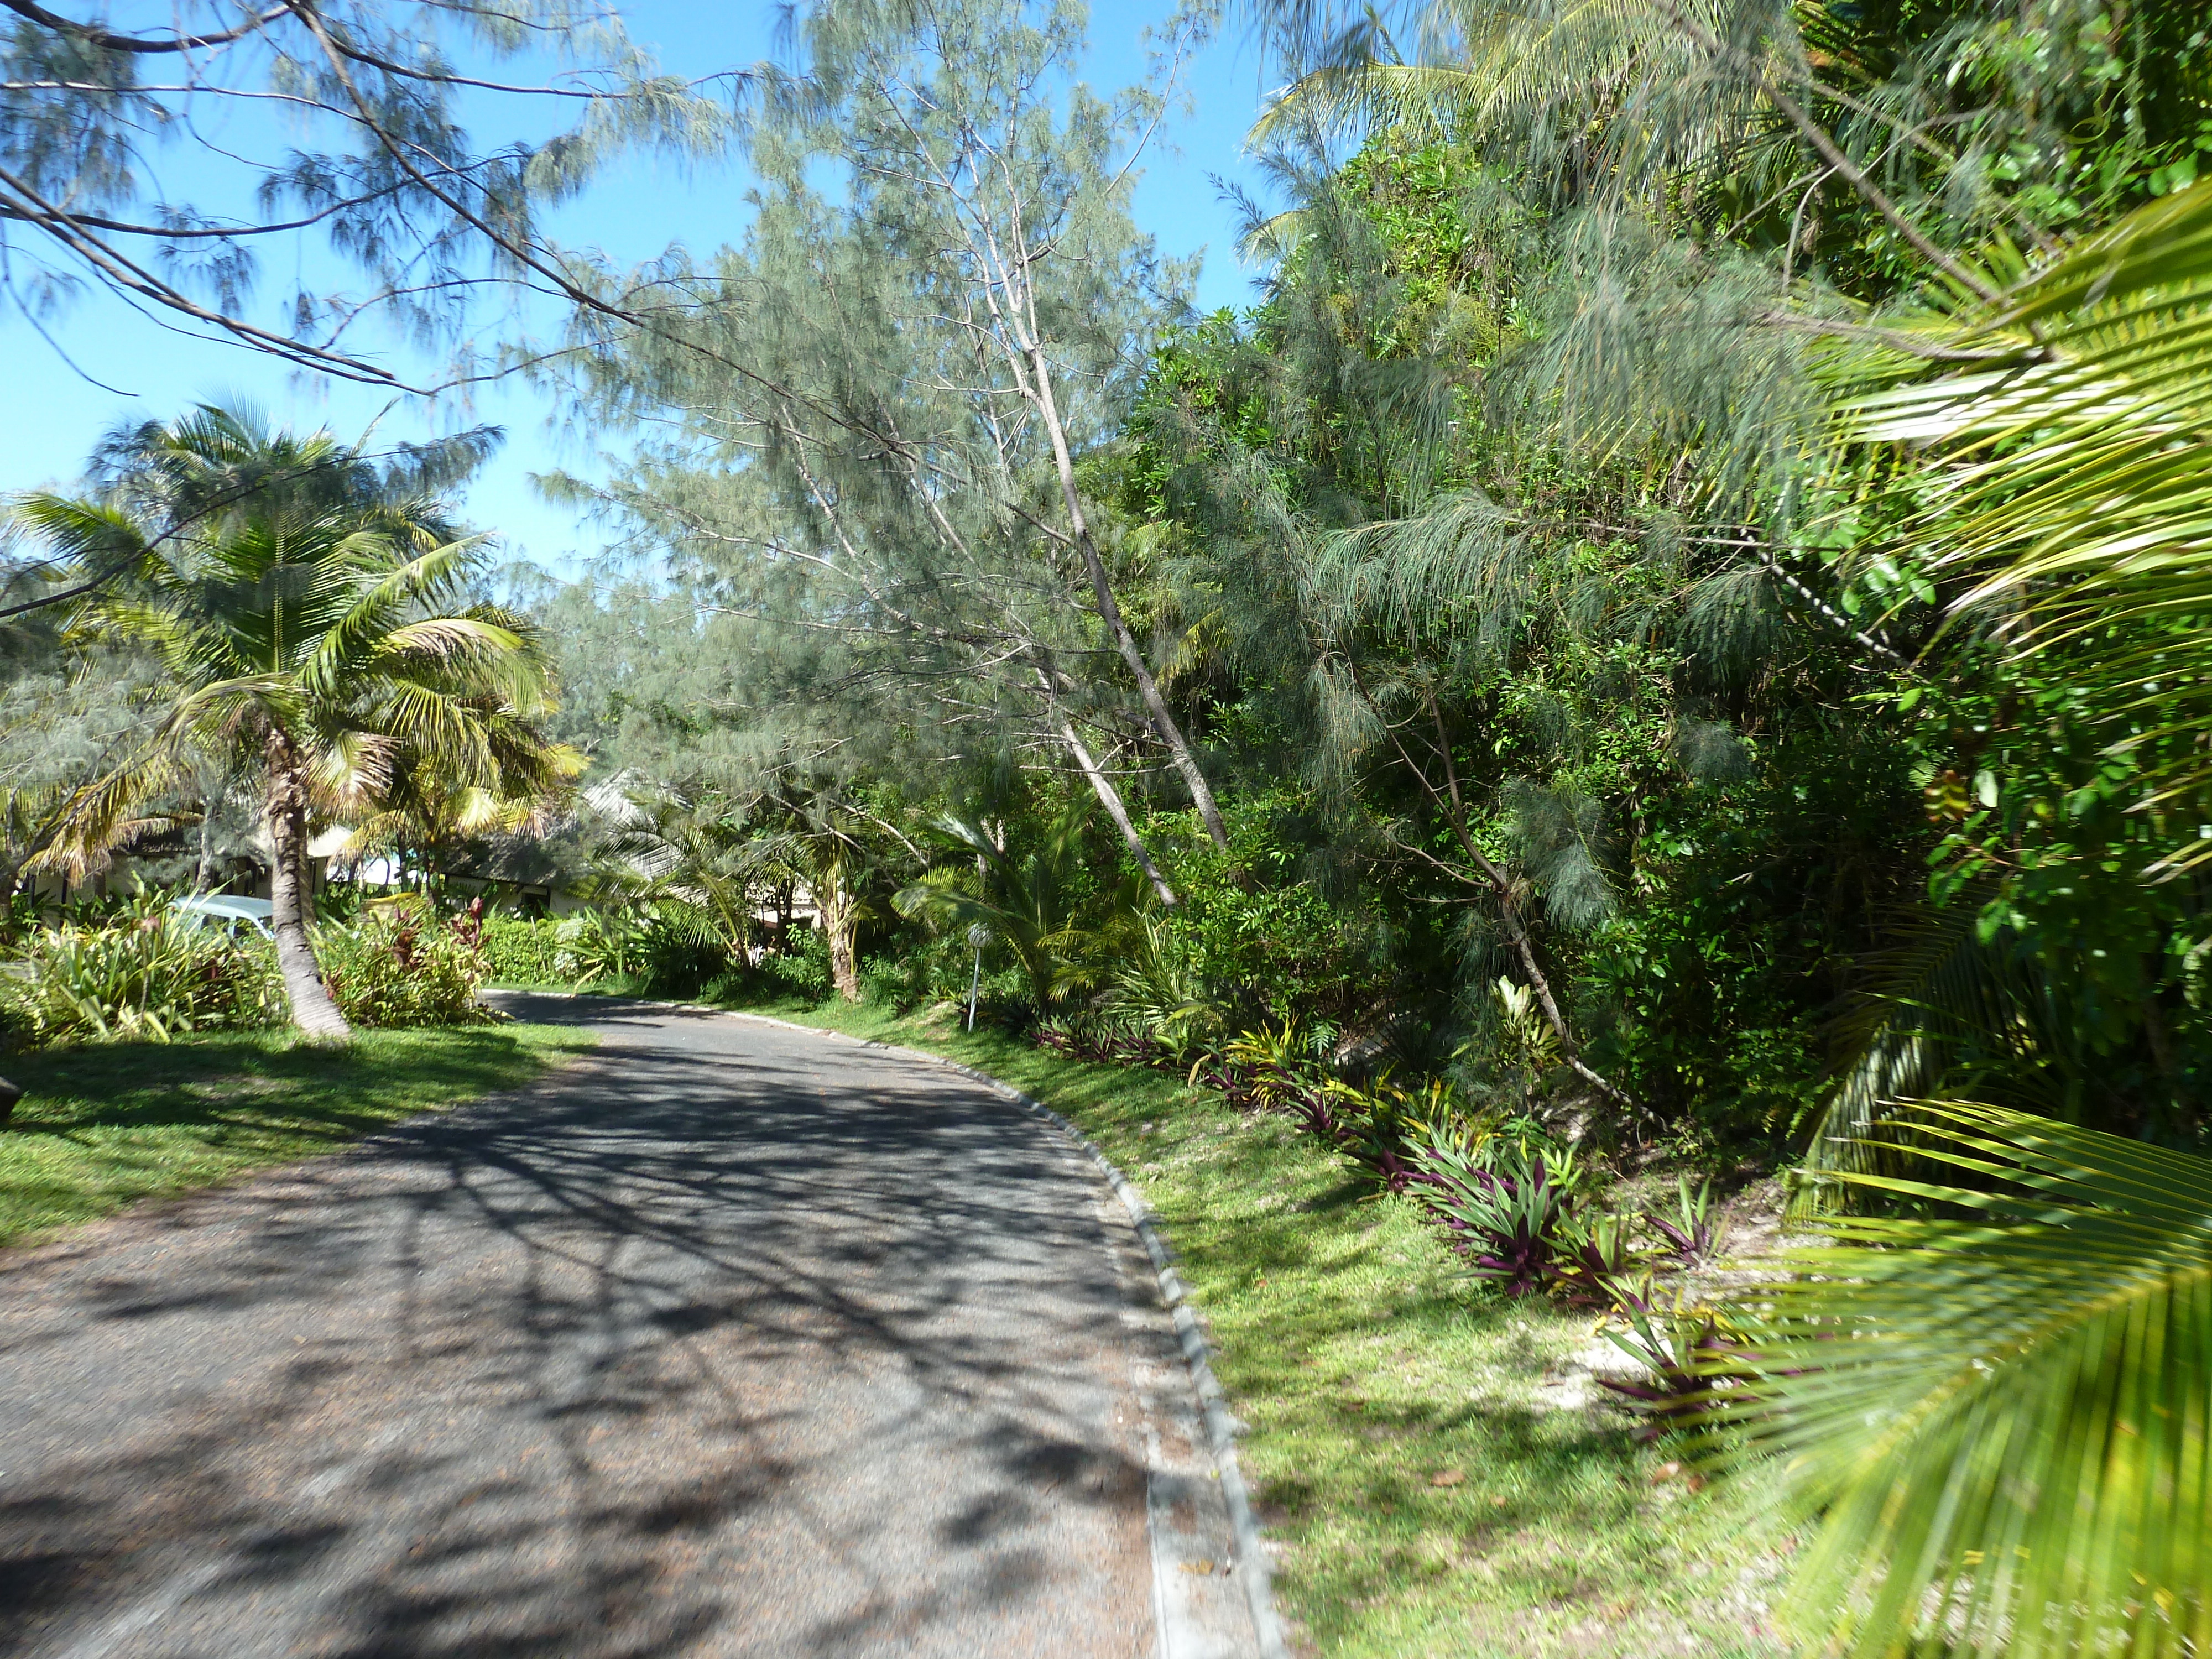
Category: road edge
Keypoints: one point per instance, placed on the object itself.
(1252, 1568)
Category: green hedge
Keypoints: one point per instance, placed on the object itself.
(519, 951)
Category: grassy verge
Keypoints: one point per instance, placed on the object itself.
(1427, 1495)
(107, 1124)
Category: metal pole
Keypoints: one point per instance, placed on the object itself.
(975, 984)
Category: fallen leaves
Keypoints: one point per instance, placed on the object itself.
(1668, 1470)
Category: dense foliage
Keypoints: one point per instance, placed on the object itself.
(405, 965)
(143, 977)
(1677, 621)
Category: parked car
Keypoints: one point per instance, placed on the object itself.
(223, 910)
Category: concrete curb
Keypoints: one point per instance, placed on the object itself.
(1251, 1564)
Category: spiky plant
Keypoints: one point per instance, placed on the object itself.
(1026, 902)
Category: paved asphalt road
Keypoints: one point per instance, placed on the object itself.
(728, 1340)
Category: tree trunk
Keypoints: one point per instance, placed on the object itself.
(1110, 798)
(839, 924)
(1109, 608)
(203, 875)
(312, 1011)
(1453, 804)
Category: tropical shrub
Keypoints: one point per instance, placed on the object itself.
(674, 955)
(404, 964)
(1689, 1232)
(146, 976)
(1503, 1213)
(925, 969)
(1274, 1068)
(1107, 1035)
(519, 950)
(801, 971)
(1031, 904)
(594, 945)
(1255, 935)
(1512, 1197)
(1593, 1253)
(1158, 989)
(1690, 1358)
(659, 949)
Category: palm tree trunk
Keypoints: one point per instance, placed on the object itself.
(312, 1011)
(203, 875)
(839, 924)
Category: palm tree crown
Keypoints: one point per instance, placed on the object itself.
(309, 608)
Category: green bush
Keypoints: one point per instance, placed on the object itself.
(403, 965)
(145, 977)
(927, 969)
(1159, 990)
(803, 971)
(1254, 940)
(592, 945)
(517, 950)
(651, 953)
(676, 958)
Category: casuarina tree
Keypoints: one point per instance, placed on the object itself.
(885, 402)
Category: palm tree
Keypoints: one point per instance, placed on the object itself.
(1028, 902)
(307, 604)
(2000, 1402)
(692, 862)
(824, 837)
(429, 807)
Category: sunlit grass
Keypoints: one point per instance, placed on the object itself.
(107, 1124)
(1426, 1497)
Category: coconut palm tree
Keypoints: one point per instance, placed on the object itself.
(1999, 1402)
(308, 605)
(694, 860)
(429, 809)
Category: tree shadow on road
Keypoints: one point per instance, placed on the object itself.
(702, 1344)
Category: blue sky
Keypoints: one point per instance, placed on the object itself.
(52, 414)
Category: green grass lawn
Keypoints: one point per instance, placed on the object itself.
(1426, 1499)
(106, 1124)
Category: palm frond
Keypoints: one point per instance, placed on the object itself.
(2004, 1421)
(100, 815)
(376, 604)
(94, 534)
(2076, 511)
(1941, 1001)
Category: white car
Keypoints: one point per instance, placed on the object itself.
(223, 910)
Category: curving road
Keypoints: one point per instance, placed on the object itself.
(728, 1340)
